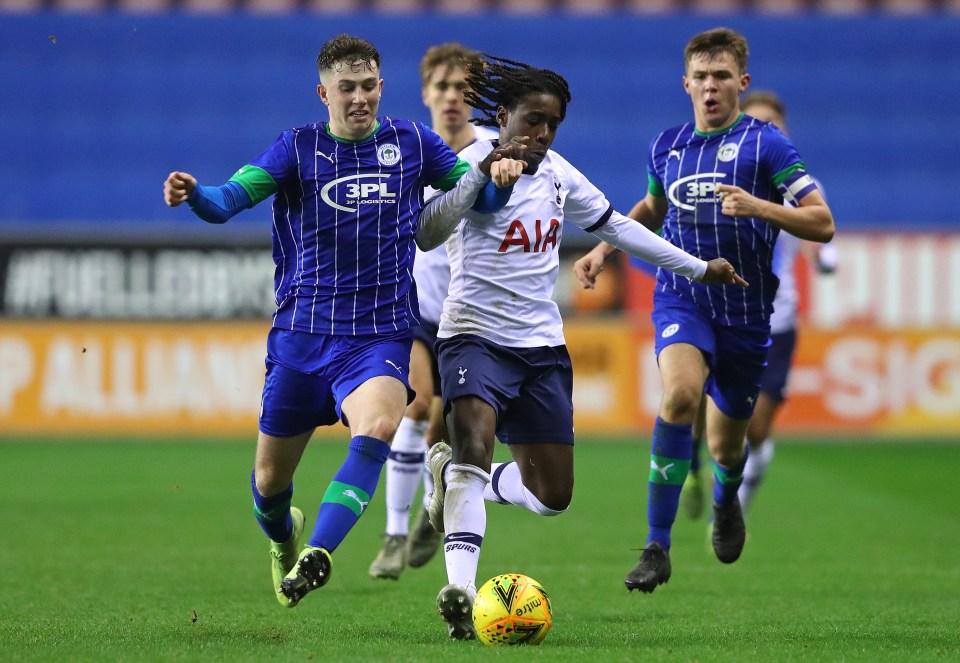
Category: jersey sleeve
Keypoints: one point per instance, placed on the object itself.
(267, 172)
(787, 172)
(441, 167)
(654, 168)
(585, 205)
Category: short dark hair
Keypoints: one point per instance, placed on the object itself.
(714, 43)
(764, 98)
(451, 54)
(496, 82)
(349, 49)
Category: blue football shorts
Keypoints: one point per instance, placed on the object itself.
(309, 375)
(530, 389)
(737, 356)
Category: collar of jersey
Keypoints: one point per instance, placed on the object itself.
(719, 131)
(326, 127)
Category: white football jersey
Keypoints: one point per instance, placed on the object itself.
(503, 267)
(431, 269)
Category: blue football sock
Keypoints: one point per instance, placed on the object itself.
(273, 513)
(350, 491)
(727, 480)
(669, 463)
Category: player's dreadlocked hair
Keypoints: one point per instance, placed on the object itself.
(496, 82)
(349, 50)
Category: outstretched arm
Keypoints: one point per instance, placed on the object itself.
(213, 204)
(640, 241)
(649, 212)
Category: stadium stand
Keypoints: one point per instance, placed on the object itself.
(521, 7)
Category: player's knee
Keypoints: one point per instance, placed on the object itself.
(471, 450)
(729, 455)
(680, 403)
(382, 428)
(269, 482)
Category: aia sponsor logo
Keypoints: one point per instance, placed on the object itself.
(545, 235)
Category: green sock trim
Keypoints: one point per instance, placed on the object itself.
(671, 471)
(276, 513)
(722, 476)
(355, 499)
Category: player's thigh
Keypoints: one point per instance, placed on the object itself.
(683, 372)
(375, 407)
(421, 381)
(276, 461)
(547, 471)
(726, 435)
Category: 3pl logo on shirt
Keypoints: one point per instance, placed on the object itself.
(699, 188)
(359, 193)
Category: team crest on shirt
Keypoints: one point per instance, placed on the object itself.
(557, 184)
(670, 330)
(728, 152)
(388, 154)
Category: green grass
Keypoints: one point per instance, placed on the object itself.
(149, 551)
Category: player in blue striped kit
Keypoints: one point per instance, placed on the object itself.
(716, 186)
(347, 197)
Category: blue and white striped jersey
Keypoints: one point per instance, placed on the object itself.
(344, 218)
(685, 165)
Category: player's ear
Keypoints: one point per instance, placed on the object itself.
(322, 91)
(502, 116)
(744, 82)
(686, 84)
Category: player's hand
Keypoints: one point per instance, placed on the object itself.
(588, 268)
(739, 203)
(722, 272)
(515, 149)
(506, 172)
(178, 187)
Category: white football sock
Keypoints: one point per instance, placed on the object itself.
(403, 473)
(465, 523)
(506, 486)
(754, 471)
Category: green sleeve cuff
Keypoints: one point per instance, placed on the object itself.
(256, 182)
(450, 180)
(780, 177)
(654, 188)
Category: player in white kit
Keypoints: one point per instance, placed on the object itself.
(505, 369)
(443, 75)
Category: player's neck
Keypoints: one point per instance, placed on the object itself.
(345, 136)
(703, 129)
(459, 139)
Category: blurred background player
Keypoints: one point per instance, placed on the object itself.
(716, 187)
(443, 73)
(340, 342)
(505, 369)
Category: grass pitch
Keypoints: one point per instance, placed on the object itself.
(148, 551)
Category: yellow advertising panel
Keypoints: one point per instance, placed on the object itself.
(205, 379)
(137, 378)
